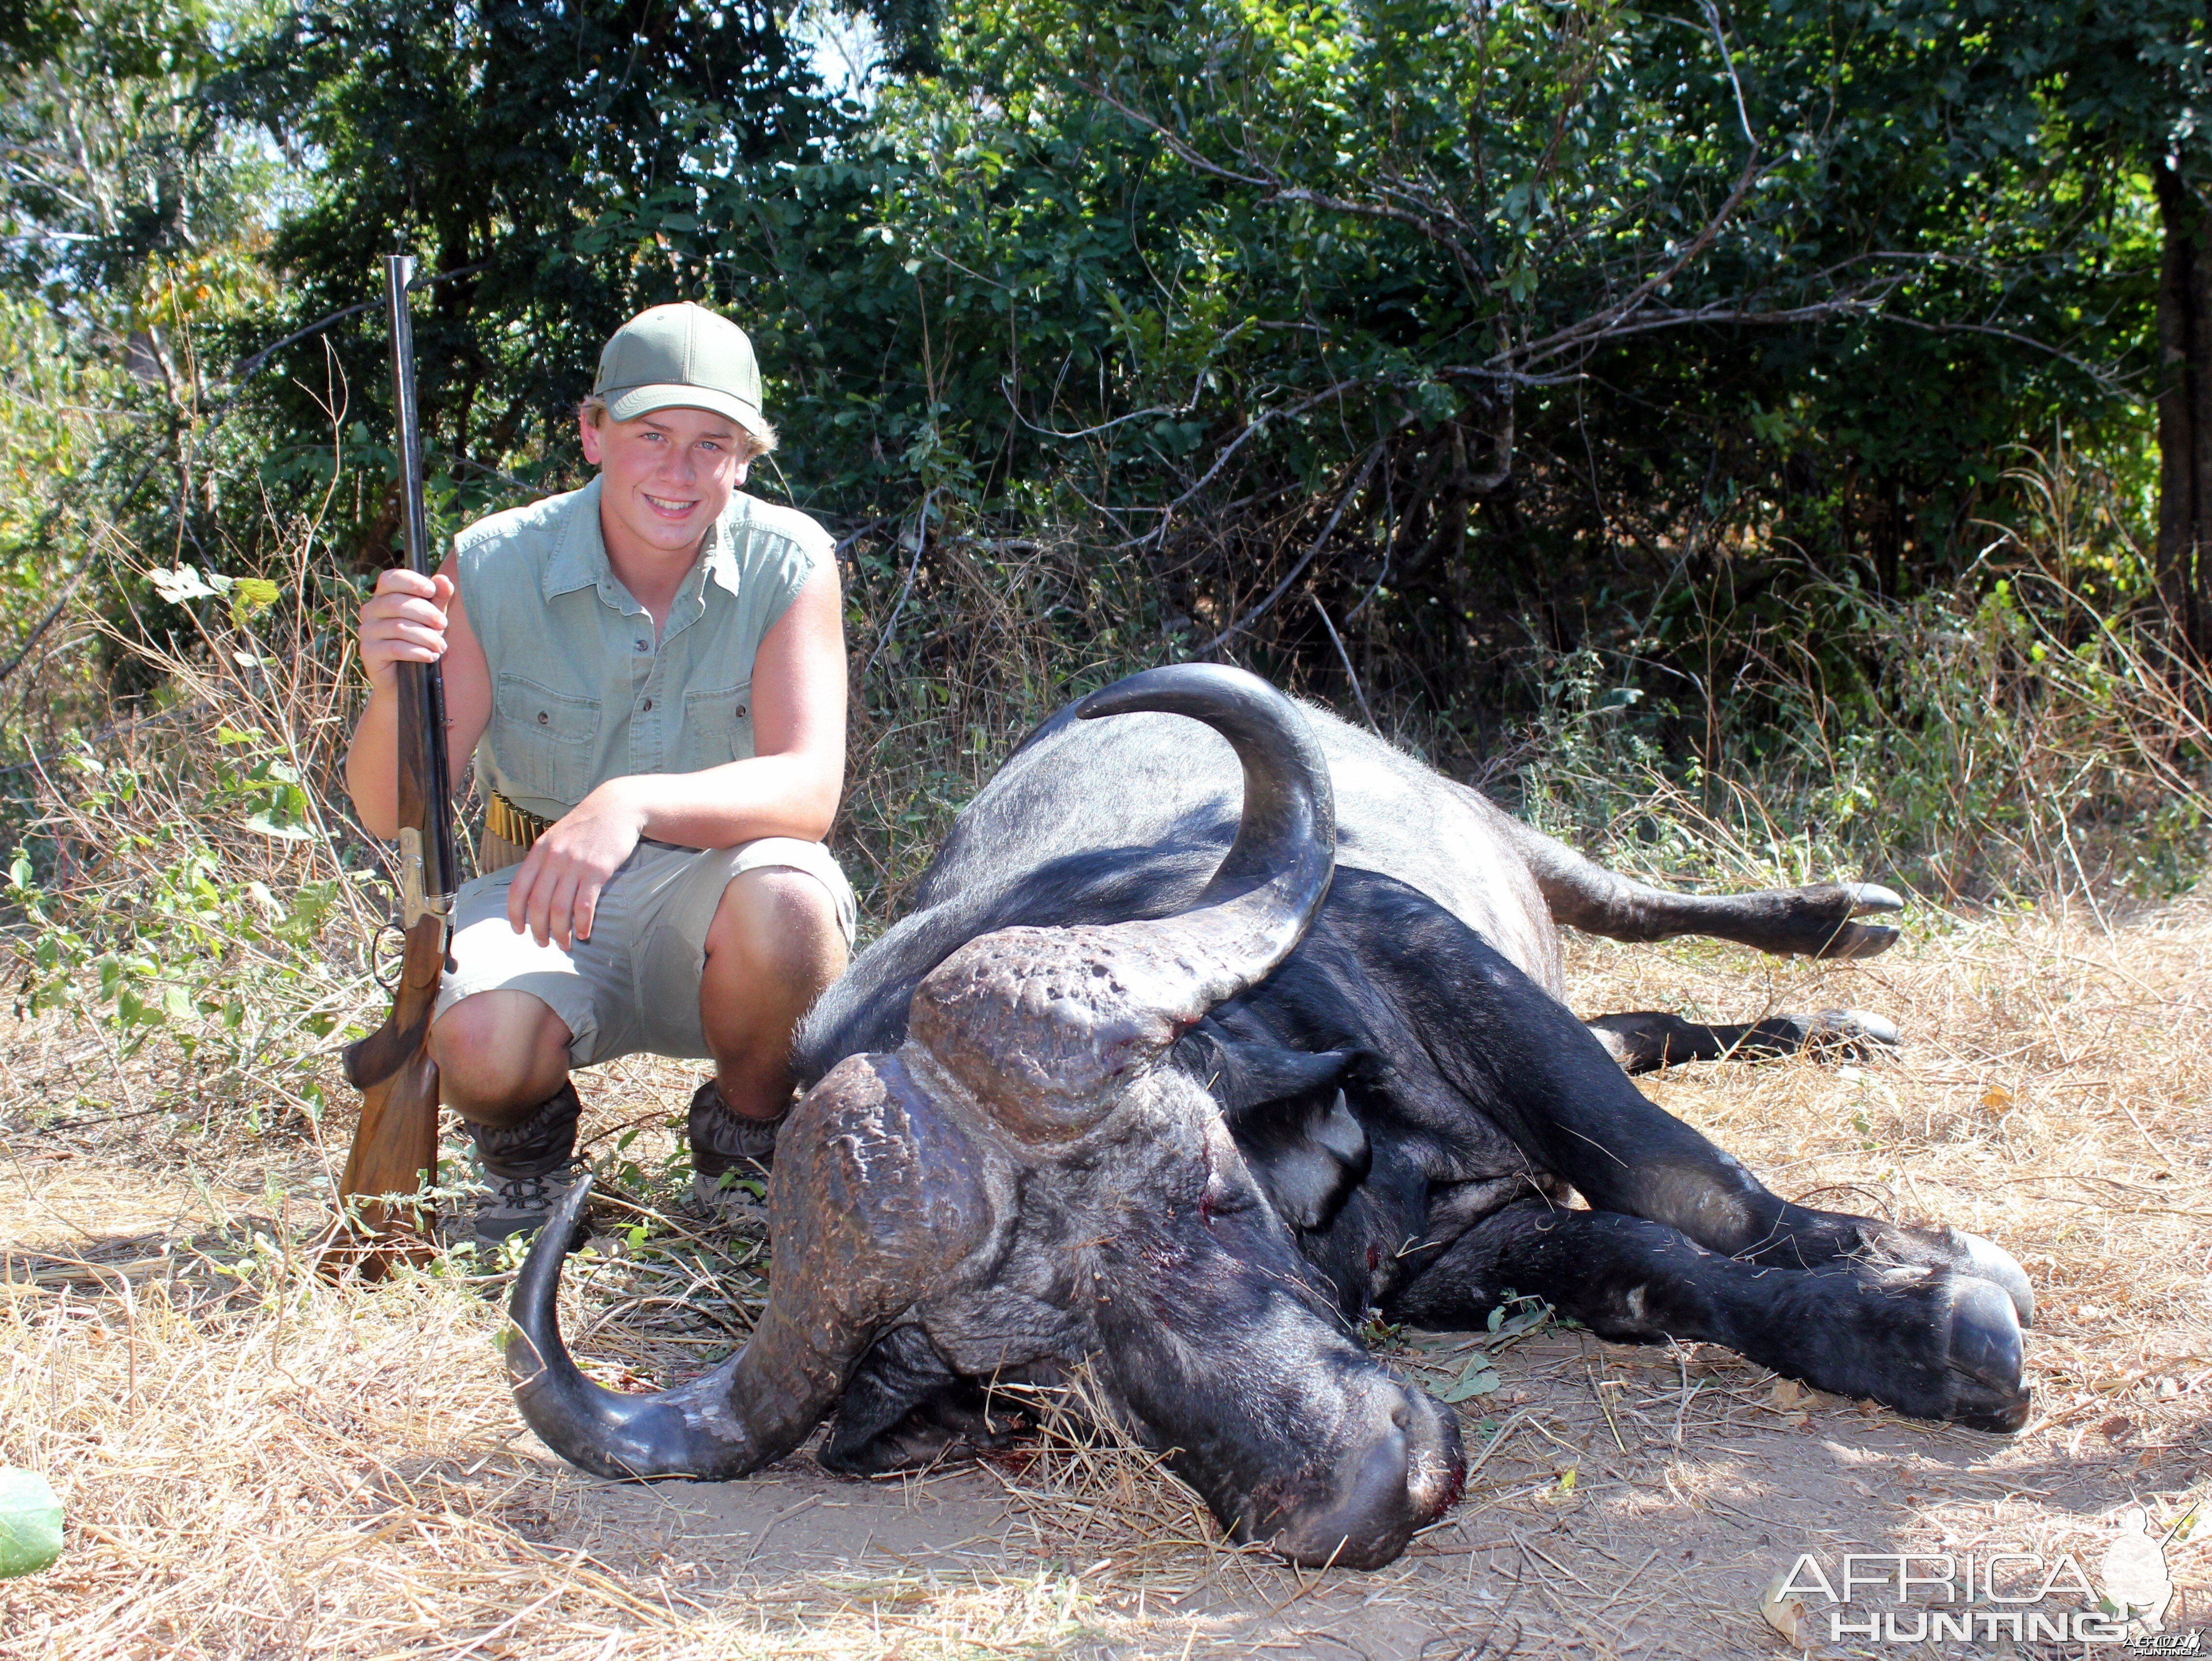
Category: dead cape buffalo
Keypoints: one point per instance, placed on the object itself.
(1179, 1079)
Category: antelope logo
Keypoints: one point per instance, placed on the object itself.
(2137, 1587)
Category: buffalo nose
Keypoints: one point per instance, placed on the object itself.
(1401, 1476)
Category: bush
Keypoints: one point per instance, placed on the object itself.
(185, 874)
(2023, 735)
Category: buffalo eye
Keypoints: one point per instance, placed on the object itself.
(1221, 1199)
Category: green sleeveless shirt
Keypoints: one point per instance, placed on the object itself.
(581, 691)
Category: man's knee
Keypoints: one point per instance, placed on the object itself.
(498, 1054)
(779, 923)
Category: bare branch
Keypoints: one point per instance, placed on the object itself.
(1251, 430)
(2104, 378)
(1604, 322)
(1345, 658)
(1713, 17)
(1102, 427)
(1329, 530)
(254, 363)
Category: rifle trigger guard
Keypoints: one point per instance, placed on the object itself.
(389, 926)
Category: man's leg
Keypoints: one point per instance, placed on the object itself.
(498, 1054)
(502, 1061)
(775, 944)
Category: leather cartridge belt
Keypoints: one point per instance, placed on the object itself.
(512, 823)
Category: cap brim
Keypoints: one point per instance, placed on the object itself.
(629, 403)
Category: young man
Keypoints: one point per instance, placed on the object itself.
(650, 673)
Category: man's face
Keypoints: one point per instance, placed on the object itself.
(667, 476)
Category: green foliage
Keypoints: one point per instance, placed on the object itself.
(1536, 308)
(59, 414)
(181, 883)
(240, 979)
(110, 159)
(487, 142)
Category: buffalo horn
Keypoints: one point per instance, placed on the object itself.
(1276, 874)
(872, 1200)
(719, 1425)
(1043, 1027)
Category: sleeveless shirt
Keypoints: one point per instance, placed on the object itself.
(582, 690)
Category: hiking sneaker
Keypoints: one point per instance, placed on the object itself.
(515, 1206)
(727, 1202)
(728, 1149)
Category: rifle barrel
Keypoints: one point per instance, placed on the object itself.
(425, 785)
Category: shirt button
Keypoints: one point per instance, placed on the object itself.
(543, 718)
(642, 647)
(741, 712)
(646, 706)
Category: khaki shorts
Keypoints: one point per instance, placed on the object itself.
(633, 986)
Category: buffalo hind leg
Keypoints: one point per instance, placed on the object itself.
(1647, 1040)
(1930, 1343)
(1822, 920)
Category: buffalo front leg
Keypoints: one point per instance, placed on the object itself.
(906, 1408)
(1930, 1343)
(1646, 1040)
(1507, 1047)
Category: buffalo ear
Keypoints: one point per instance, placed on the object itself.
(1307, 1155)
(1241, 1073)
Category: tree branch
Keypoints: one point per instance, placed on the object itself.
(1329, 530)
(252, 366)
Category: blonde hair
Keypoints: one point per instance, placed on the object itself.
(756, 444)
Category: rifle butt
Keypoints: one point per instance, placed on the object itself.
(383, 1217)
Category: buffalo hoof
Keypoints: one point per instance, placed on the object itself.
(1985, 1360)
(1995, 1264)
(1966, 1256)
(1930, 1341)
(1849, 1035)
(1863, 939)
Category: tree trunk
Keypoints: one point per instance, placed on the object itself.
(2184, 414)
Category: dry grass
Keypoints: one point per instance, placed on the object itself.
(1086, 1492)
(254, 1464)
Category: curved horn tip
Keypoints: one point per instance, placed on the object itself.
(1152, 689)
(535, 1286)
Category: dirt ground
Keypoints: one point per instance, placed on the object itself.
(254, 1464)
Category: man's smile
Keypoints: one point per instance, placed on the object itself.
(672, 508)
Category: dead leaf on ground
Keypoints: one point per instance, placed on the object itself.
(1785, 1611)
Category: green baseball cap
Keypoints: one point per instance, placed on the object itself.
(681, 354)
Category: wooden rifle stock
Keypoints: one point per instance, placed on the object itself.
(382, 1215)
(397, 1144)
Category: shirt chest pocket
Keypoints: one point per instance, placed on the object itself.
(718, 728)
(549, 738)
